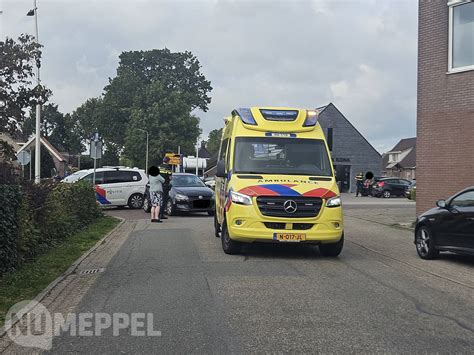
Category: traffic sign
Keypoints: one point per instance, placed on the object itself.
(96, 149)
(175, 159)
(23, 157)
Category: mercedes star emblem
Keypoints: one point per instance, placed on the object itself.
(290, 206)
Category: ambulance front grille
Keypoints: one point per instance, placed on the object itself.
(273, 206)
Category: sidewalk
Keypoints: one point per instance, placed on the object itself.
(64, 294)
(351, 200)
(397, 212)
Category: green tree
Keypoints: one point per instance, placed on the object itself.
(214, 140)
(95, 115)
(177, 72)
(169, 123)
(62, 131)
(154, 90)
(17, 93)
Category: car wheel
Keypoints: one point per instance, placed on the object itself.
(217, 227)
(229, 246)
(146, 205)
(424, 242)
(333, 249)
(386, 194)
(170, 210)
(135, 201)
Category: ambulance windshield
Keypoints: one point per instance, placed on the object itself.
(275, 155)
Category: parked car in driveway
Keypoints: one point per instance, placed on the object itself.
(389, 187)
(447, 227)
(188, 194)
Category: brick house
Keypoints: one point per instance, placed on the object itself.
(400, 161)
(445, 111)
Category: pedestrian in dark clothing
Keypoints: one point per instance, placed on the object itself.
(359, 184)
(156, 192)
(166, 171)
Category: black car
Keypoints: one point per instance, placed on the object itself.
(388, 187)
(188, 194)
(447, 227)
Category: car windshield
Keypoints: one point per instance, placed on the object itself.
(75, 176)
(187, 181)
(276, 155)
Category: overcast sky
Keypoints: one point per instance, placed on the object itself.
(358, 54)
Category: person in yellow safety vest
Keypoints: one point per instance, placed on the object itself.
(359, 183)
(166, 171)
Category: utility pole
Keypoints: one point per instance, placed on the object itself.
(30, 164)
(146, 158)
(34, 13)
(177, 168)
(147, 143)
(197, 159)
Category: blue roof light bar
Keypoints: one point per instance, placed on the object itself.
(311, 118)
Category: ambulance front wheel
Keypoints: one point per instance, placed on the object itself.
(229, 246)
(333, 249)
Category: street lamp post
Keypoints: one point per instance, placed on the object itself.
(146, 157)
(34, 13)
(197, 159)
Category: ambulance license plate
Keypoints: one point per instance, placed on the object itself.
(289, 237)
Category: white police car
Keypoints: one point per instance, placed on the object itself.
(117, 186)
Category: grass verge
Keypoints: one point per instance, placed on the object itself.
(30, 279)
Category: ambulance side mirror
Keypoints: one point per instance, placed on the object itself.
(220, 170)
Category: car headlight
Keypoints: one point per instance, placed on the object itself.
(334, 202)
(240, 199)
(180, 197)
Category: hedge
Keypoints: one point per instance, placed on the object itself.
(10, 201)
(34, 218)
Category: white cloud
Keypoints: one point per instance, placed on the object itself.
(339, 89)
(321, 7)
(360, 54)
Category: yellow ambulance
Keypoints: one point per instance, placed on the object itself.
(275, 181)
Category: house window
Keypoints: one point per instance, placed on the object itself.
(461, 35)
(393, 158)
(330, 139)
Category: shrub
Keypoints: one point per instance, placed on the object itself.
(29, 236)
(413, 194)
(10, 197)
(35, 217)
(69, 207)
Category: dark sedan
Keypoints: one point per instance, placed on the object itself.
(447, 227)
(188, 194)
(388, 187)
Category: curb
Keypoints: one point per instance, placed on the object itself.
(59, 279)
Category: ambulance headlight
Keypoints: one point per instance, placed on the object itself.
(334, 202)
(240, 199)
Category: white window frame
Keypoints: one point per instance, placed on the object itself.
(452, 4)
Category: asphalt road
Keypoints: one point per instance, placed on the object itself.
(378, 296)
